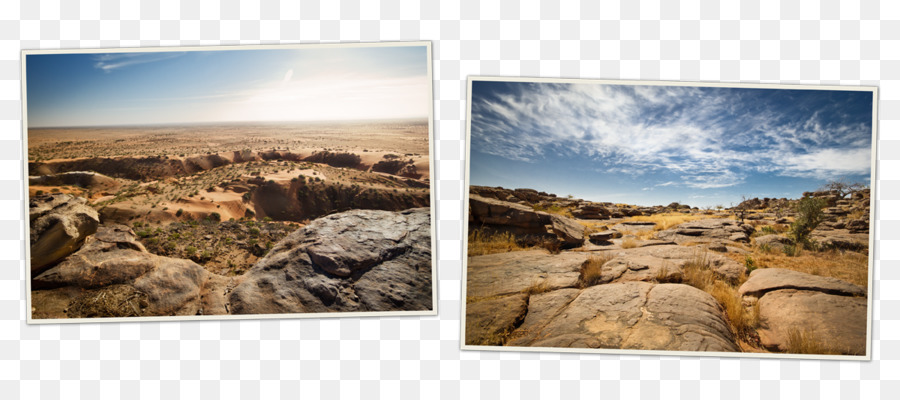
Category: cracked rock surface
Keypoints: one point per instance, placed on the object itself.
(360, 260)
(629, 315)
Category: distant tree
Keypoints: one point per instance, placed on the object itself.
(843, 187)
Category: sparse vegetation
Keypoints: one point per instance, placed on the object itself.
(482, 241)
(809, 216)
(592, 269)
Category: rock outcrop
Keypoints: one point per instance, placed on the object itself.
(111, 263)
(509, 273)
(795, 307)
(630, 315)
(59, 225)
(708, 230)
(358, 260)
(529, 226)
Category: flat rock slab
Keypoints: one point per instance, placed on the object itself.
(489, 321)
(771, 279)
(360, 260)
(509, 273)
(630, 315)
(835, 323)
(708, 230)
(725, 267)
(642, 268)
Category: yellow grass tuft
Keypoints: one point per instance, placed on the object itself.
(592, 269)
(849, 266)
(806, 341)
(537, 287)
(668, 220)
(482, 242)
(629, 243)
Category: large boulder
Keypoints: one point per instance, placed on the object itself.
(571, 233)
(829, 323)
(59, 225)
(803, 312)
(490, 211)
(360, 260)
(113, 264)
(630, 315)
(529, 226)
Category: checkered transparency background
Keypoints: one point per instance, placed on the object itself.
(848, 43)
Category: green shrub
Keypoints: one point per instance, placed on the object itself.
(809, 216)
(750, 264)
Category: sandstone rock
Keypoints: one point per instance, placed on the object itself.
(642, 268)
(766, 280)
(774, 242)
(509, 273)
(726, 268)
(604, 236)
(59, 225)
(489, 321)
(360, 260)
(113, 258)
(717, 246)
(631, 315)
(708, 230)
(591, 211)
(569, 231)
(858, 225)
(496, 212)
(836, 323)
(520, 220)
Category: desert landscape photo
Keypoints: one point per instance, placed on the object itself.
(707, 219)
(285, 180)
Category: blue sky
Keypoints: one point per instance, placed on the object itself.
(652, 145)
(227, 85)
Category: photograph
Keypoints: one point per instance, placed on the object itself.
(669, 218)
(271, 181)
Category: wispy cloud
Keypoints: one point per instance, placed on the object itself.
(113, 61)
(709, 137)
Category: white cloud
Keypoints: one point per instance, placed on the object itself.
(710, 138)
(114, 61)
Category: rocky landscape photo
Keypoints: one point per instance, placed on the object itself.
(285, 181)
(646, 217)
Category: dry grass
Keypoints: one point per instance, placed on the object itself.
(554, 209)
(483, 242)
(537, 286)
(807, 341)
(665, 221)
(698, 274)
(629, 243)
(111, 301)
(592, 269)
(847, 265)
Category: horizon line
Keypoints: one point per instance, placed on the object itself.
(246, 122)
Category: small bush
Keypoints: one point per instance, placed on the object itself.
(629, 243)
(809, 216)
(190, 250)
(750, 264)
